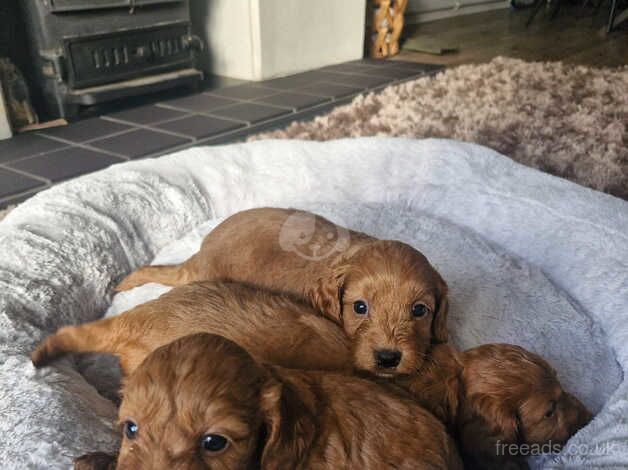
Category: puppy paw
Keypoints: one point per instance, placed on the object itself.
(40, 357)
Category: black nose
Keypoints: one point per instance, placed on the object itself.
(387, 358)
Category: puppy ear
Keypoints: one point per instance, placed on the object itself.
(486, 423)
(327, 294)
(493, 418)
(290, 427)
(439, 322)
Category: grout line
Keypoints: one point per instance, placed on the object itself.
(272, 92)
(208, 114)
(148, 127)
(358, 74)
(27, 174)
(29, 193)
(83, 145)
(132, 123)
(104, 152)
(73, 143)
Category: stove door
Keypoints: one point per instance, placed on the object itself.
(59, 6)
(81, 5)
(154, 2)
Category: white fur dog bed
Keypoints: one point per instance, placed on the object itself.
(530, 259)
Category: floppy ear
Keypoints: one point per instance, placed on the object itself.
(439, 322)
(290, 426)
(484, 425)
(326, 296)
(493, 418)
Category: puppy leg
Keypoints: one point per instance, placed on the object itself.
(90, 337)
(168, 275)
(95, 461)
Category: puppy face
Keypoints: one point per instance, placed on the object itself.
(393, 304)
(193, 404)
(549, 414)
(518, 398)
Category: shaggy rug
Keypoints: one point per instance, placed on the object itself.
(570, 121)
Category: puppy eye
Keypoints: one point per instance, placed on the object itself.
(549, 413)
(130, 429)
(419, 310)
(214, 443)
(360, 307)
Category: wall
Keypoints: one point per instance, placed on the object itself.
(419, 11)
(260, 39)
(305, 34)
(225, 28)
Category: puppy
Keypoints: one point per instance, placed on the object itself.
(493, 396)
(386, 295)
(512, 396)
(203, 402)
(275, 329)
(479, 394)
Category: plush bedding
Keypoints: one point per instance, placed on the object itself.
(530, 259)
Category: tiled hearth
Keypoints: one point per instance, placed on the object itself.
(222, 113)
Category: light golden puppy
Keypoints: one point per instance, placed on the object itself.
(202, 402)
(275, 329)
(386, 295)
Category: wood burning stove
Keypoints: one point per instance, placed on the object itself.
(86, 52)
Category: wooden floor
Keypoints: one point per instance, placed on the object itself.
(574, 36)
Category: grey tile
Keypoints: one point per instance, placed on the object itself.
(364, 81)
(139, 143)
(293, 81)
(250, 112)
(20, 198)
(244, 92)
(199, 103)
(213, 82)
(427, 68)
(85, 130)
(200, 126)
(12, 183)
(393, 73)
(147, 114)
(26, 145)
(293, 100)
(330, 89)
(352, 67)
(65, 163)
(372, 62)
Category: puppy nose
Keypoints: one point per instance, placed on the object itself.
(387, 358)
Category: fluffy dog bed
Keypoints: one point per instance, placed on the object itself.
(531, 259)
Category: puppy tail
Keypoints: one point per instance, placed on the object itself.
(88, 338)
(168, 275)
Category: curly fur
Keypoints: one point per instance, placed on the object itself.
(570, 121)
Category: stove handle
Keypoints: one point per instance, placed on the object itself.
(193, 43)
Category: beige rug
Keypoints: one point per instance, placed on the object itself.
(570, 121)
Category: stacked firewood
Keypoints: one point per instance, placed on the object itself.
(386, 27)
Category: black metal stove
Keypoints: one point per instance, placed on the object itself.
(86, 52)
